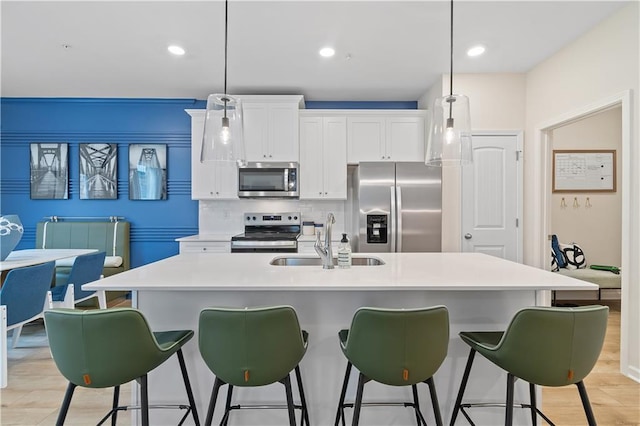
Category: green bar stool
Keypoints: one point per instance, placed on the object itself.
(396, 347)
(253, 347)
(542, 346)
(108, 348)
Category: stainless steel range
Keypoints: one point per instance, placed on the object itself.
(268, 232)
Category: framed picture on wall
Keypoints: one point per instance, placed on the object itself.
(49, 171)
(98, 171)
(584, 170)
(148, 172)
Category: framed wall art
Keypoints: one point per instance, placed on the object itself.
(584, 170)
(148, 172)
(98, 171)
(49, 171)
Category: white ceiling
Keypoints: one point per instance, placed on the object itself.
(397, 49)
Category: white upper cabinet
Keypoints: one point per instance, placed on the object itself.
(210, 180)
(386, 136)
(271, 127)
(323, 157)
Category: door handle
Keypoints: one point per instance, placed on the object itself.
(467, 236)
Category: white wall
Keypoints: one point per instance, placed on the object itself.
(596, 228)
(597, 66)
(497, 102)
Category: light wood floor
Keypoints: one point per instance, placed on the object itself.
(36, 388)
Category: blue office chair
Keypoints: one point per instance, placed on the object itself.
(85, 269)
(24, 296)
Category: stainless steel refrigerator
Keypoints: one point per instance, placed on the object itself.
(397, 207)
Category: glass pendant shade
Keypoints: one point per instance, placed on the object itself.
(449, 141)
(223, 139)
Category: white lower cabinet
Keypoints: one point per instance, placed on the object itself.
(323, 158)
(210, 180)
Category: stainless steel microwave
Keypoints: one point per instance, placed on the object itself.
(268, 180)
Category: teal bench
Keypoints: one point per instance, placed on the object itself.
(110, 237)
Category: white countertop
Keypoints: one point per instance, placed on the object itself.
(401, 271)
(207, 237)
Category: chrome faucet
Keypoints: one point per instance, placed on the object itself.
(324, 251)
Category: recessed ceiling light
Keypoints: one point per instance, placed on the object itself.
(476, 50)
(327, 52)
(176, 50)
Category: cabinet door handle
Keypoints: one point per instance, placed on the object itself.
(383, 157)
(325, 193)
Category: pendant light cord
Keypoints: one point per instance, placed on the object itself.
(451, 64)
(226, 19)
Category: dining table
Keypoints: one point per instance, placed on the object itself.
(30, 257)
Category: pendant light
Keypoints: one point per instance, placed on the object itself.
(450, 135)
(223, 138)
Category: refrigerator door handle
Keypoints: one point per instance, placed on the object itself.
(398, 212)
(393, 213)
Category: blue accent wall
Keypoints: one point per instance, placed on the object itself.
(154, 224)
(361, 104)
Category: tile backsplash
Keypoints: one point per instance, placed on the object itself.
(226, 216)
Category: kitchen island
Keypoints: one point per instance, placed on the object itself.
(480, 291)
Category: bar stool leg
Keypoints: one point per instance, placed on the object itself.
(345, 382)
(416, 404)
(586, 404)
(463, 385)
(303, 400)
(62, 415)
(144, 398)
(358, 404)
(508, 420)
(187, 385)
(434, 401)
(227, 406)
(287, 387)
(114, 408)
(532, 393)
(212, 401)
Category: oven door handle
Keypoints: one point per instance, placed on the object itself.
(266, 244)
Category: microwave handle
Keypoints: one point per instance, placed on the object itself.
(286, 179)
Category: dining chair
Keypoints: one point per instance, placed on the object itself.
(24, 296)
(253, 347)
(102, 348)
(546, 346)
(395, 347)
(85, 269)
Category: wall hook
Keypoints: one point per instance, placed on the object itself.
(563, 203)
(575, 203)
(587, 203)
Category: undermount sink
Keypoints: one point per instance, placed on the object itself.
(316, 261)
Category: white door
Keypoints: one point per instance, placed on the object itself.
(492, 197)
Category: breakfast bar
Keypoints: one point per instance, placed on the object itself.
(481, 293)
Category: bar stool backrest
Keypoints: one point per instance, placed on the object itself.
(551, 346)
(252, 346)
(103, 347)
(398, 347)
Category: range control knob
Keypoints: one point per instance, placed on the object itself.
(289, 217)
(295, 218)
(254, 218)
(248, 217)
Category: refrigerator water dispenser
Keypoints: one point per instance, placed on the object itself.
(376, 229)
